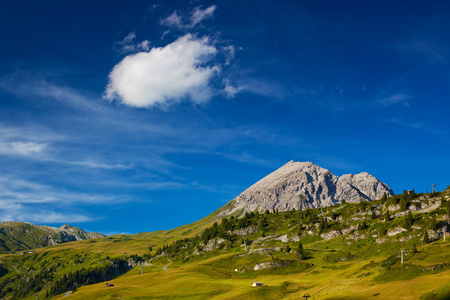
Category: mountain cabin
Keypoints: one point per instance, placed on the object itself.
(255, 283)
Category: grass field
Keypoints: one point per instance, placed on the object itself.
(215, 278)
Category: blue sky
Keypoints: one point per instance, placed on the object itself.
(134, 116)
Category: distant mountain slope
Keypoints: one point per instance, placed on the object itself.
(301, 185)
(17, 236)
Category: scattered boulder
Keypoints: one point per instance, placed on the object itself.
(396, 231)
(331, 234)
(267, 265)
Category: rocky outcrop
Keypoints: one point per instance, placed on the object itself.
(302, 185)
(268, 265)
(83, 235)
(396, 231)
(331, 234)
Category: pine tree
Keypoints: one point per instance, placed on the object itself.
(322, 224)
(301, 251)
(410, 220)
(426, 238)
(405, 195)
(414, 249)
(383, 199)
(362, 225)
(403, 204)
(407, 222)
(387, 217)
(288, 249)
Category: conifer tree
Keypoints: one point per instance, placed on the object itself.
(301, 251)
(387, 217)
(362, 225)
(403, 204)
(414, 249)
(384, 198)
(408, 221)
(426, 238)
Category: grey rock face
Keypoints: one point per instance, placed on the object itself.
(80, 234)
(302, 185)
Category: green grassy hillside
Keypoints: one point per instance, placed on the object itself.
(350, 251)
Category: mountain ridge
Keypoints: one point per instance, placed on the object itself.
(303, 185)
(19, 236)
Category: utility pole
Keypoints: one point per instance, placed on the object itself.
(402, 253)
(142, 270)
(243, 237)
(306, 296)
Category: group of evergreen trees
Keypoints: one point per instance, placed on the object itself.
(33, 284)
(108, 271)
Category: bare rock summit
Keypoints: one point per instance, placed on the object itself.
(302, 185)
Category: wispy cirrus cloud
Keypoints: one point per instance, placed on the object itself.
(188, 21)
(41, 216)
(21, 148)
(230, 90)
(394, 99)
(25, 84)
(39, 145)
(415, 125)
(128, 45)
(14, 190)
(429, 50)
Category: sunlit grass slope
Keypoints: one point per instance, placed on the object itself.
(214, 278)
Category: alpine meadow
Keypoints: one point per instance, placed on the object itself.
(294, 149)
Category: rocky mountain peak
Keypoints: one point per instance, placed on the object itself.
(302, 185)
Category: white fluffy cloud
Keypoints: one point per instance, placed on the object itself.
(165, 75)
